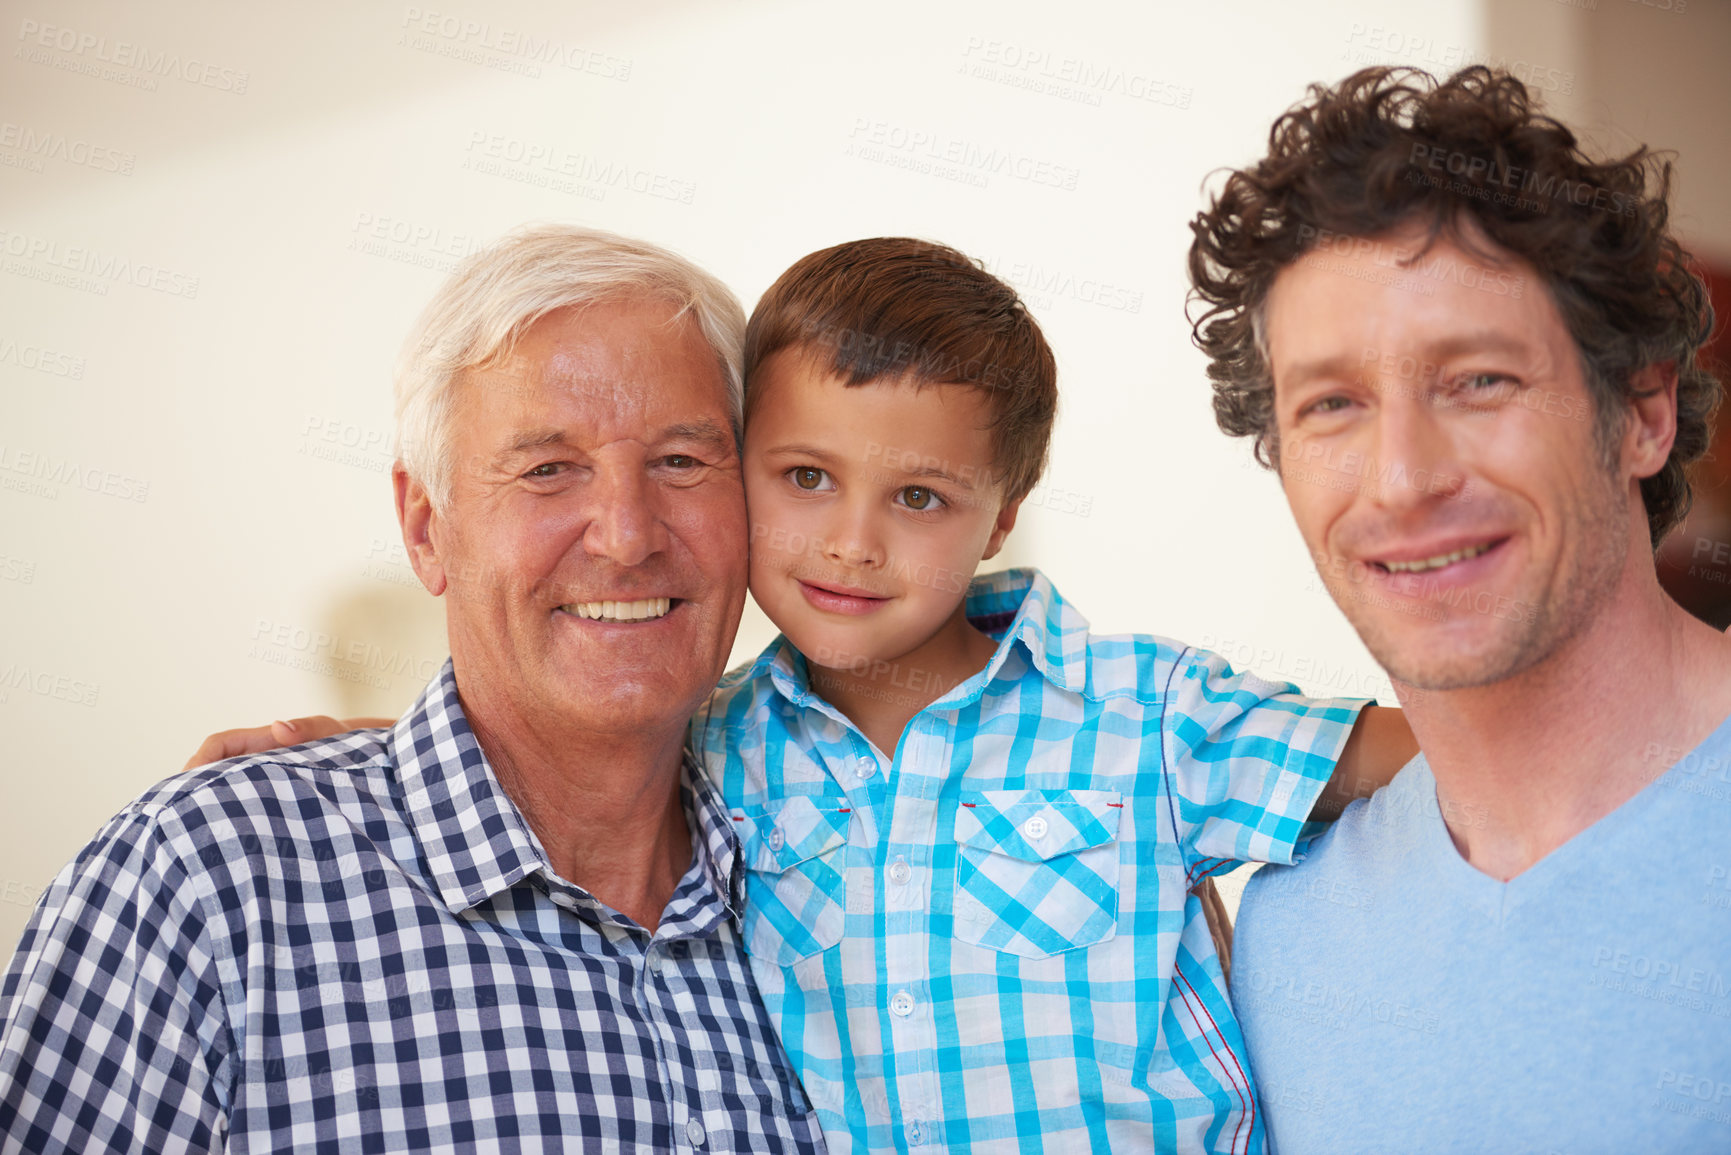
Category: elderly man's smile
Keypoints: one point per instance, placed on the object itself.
(620, 611)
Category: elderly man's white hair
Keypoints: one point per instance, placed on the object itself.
(495, 295)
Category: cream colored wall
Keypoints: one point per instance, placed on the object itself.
(195, 524)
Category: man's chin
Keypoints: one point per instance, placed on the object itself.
(1450, 655)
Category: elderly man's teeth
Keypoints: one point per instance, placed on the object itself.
(642, 610)
(1437, 562)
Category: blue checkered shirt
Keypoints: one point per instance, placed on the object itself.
(989, 942)
(358, 945)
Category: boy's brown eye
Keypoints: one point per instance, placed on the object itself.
(808, 478)
(915, 497)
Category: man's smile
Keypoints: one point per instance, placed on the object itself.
(634, 610)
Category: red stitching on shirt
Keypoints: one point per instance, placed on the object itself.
(1195, 872)
(970, 805)
(1219, 865)
(849, 810)
(1242, 1091)
(1116, 805)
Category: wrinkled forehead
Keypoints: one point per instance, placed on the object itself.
(622, 369)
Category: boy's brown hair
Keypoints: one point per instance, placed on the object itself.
(923, 313)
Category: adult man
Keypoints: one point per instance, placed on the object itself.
(509, 922)
(1472, 353)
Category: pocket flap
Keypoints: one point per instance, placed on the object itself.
(1037, 825)
(786, 832)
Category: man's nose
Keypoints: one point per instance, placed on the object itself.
(1414, 455)
(626, 519)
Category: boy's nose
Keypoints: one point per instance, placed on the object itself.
(853, 545)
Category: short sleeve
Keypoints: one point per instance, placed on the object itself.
(112, 1029)
(1246, 759)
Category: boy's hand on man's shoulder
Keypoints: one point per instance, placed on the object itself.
(258, 739)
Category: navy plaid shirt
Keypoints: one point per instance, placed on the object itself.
(359, 945)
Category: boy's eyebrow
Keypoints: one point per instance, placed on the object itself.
(923, 470)
(801, 451)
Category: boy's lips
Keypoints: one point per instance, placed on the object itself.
(839, 599)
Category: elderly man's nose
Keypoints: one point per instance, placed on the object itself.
(625, 522)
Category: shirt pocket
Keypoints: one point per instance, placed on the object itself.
(793, 853)
(1037, 870)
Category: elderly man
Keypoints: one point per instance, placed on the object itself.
(1472, 352)
(508, 922)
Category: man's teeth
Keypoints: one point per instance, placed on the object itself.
(1437, 562)
(638, 611)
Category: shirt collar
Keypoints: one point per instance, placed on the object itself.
(714, 836)
(1016, 606)
(476, 841)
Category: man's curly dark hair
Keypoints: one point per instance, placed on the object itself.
(1388, 146)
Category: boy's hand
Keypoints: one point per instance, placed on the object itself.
(1380, 745)
(258, 739)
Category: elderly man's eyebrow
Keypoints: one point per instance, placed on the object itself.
(532, 439)
(706, 433)
(703, 432)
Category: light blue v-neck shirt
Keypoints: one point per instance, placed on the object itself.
(1395, 999)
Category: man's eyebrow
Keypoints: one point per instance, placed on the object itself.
(702, 432)
(1483, 341)
(1346, 367)
(1341, 367)
(532, 439)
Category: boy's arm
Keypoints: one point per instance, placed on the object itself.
(1381, 743)
(258, 739)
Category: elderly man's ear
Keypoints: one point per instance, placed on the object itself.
(422, 529)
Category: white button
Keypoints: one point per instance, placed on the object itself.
(865, 767)
(1034, 828)
(777, 839)
(916, 1134)
(900, 872)
(902, 1004)
(694, 1131)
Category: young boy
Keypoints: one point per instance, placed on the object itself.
(973, 829)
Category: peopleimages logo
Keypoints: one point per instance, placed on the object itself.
(103, 267)
(157, 62)
(40, 145)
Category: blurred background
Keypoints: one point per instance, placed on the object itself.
(219, 220)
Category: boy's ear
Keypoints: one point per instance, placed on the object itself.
(1002, 527)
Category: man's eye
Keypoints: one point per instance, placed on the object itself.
(810, 479)
(550, 469)
(681, 461)
(1480, 389)
(919, 497)
(1327, 405)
